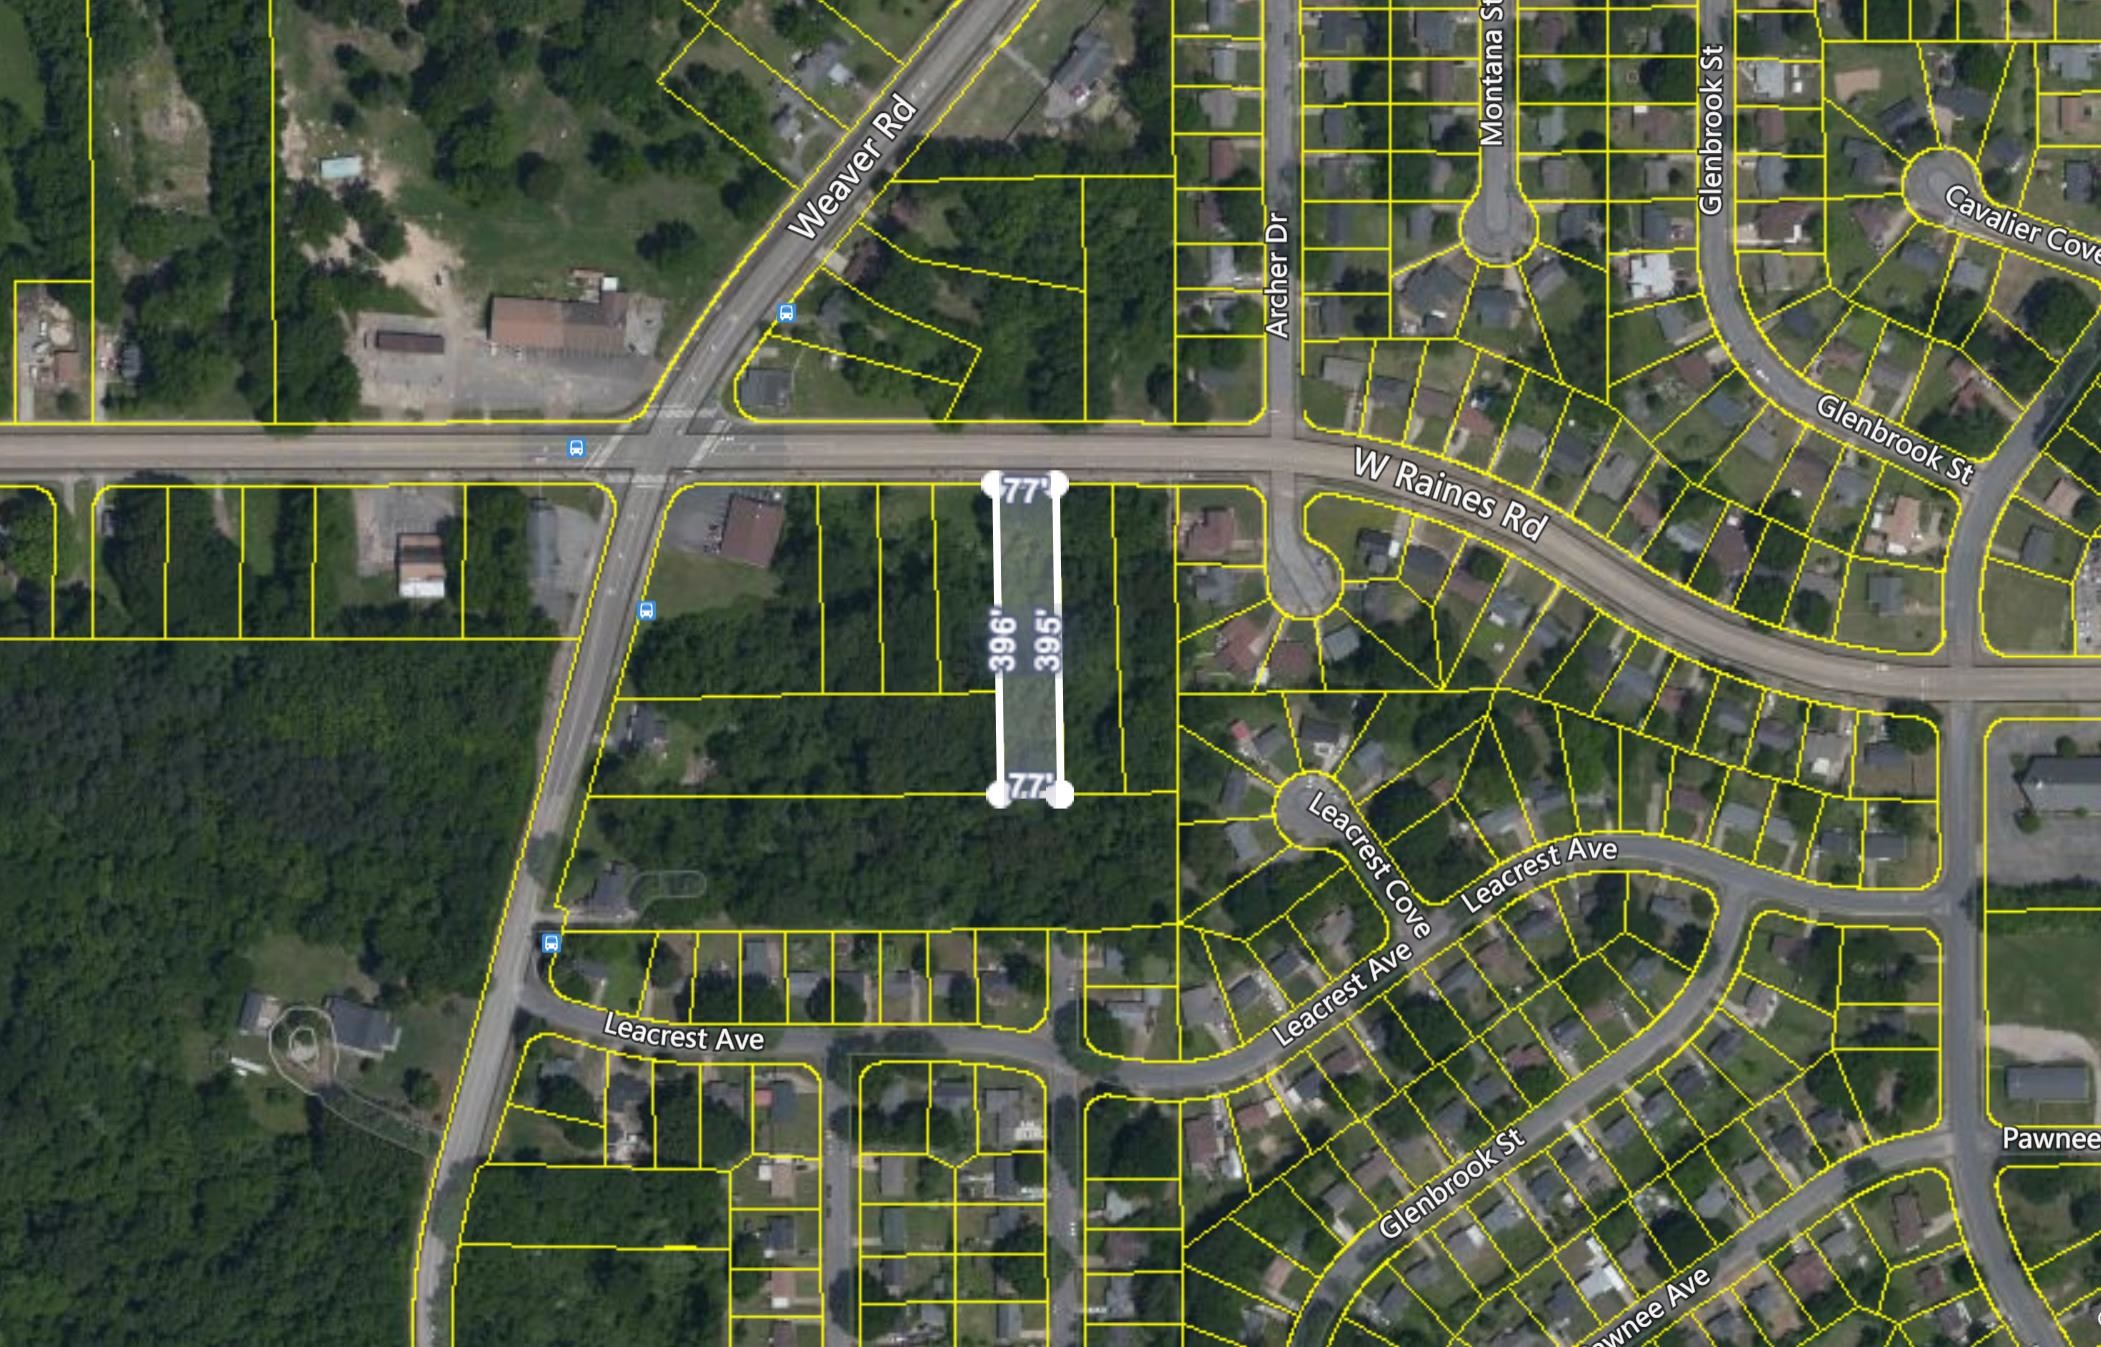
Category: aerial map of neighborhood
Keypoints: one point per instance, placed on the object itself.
(1050, 673)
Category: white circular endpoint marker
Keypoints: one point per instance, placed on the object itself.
(996, 795)
(1060, 795)
(990, 482)
(1060, 483)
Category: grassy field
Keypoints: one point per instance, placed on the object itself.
(2025, 613)
(150, 138)
(685, 582)
(515, 245)
(294, 971)
(20, 83)
(2026, 958)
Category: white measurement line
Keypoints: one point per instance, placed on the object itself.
(1060, 794)
(997, 794)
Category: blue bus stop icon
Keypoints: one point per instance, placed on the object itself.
(550, 942)
(784, 313)
(646, 610)
(576, 448)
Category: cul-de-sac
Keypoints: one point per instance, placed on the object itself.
(1051, 673)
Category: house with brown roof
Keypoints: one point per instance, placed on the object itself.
(751, 531)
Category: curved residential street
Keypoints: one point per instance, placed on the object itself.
(645, 463)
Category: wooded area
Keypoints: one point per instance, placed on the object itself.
(170, 805)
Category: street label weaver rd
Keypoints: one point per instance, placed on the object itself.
(827, 203)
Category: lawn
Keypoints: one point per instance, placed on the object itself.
(297, 971)
(2024, 613)
(2026, 955)
(20, 83)
(897, 24)
(686, 582)
(151, 139)
(516, 244)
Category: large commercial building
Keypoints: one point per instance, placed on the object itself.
(563, 326)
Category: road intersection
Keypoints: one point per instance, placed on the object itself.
(644, 465)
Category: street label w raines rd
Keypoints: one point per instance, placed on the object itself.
(1432, 484)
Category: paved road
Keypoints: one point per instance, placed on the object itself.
(1726, 304)
(485, 1076)
(1280, 75)
(653, 453)
(1926, 185)
(650, 459)
(1974, 1145)
(1498, 225)
(1567, 552)
(1740, 890)
(1935, 185)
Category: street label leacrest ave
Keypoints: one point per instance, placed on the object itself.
(685, 1040)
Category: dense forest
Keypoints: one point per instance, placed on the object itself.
(169, 806)
(171, 543)
(839, 859)
(44, 184)
(1099, 863)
